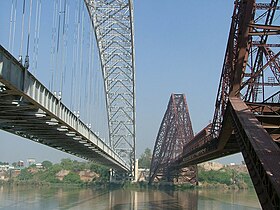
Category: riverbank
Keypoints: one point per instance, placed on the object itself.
(88, 174)
(129, 185)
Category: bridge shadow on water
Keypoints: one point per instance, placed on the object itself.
(155, 200)
(168, 204)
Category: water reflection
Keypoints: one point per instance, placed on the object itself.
(152, 199)
(47, 198)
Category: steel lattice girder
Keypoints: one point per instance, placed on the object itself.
(175, 131)
(30, 110)
(251, 66)
(252, 54)
(238, 25)
(113, 26)
(261, 154)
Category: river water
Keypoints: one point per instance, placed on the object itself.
(51, 198)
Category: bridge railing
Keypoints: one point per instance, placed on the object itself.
(16, 77)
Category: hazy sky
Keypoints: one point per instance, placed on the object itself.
(179, 47)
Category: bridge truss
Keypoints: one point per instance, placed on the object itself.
(113, 25)
(175, 131)
(112, 22)
(28, 109)
(247, 114)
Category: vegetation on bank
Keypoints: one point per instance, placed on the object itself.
(145, 159)
(225, 177)
(67, 172)
(72, 172)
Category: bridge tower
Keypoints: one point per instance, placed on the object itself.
(114, 30)
(175, 131)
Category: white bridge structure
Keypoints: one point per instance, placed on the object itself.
(31, 110)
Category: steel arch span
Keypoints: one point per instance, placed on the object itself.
(175, 131)
(114, 30)
(24, 98)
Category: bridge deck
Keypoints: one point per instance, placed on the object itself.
(245, 130)
(30, 110)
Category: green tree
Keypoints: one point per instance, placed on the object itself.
(72, 178)
(220, 176)
(47, 164)
(25, 175)
(78, 166)
(145, 159)
(103, 172)
(66, 163)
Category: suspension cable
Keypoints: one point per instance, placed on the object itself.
(91, 75)
(37, 35)
(26, 62)
(88, 79)
(14, 27)
(78, 63)
(81, 59)
(57, 51)
(75, 55)
(11, 25)
(53, 51)
(22, 32)
(64, 47)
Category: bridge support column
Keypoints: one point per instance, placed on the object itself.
(118, 177)
(136, 175)
(187, 175)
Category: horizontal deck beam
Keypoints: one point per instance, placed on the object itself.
(26, 103)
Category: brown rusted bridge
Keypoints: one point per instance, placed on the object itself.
(247, 109)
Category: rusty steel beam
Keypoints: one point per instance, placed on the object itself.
(175, 131)
(248, 58)
(266, 6)
(261, 154)
(261, 65)
(236, 55)
(250, 75)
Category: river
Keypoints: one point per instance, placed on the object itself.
(51, 198)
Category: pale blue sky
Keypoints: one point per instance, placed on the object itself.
(179, 48)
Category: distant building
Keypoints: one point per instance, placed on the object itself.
(15, 173)
(39, 165)
(61, 174)
(4, 167)
(31, 161)
(88, 176)
(211, 166)
(143, 174)
(240, 168)
(3, 175)
(20, 164)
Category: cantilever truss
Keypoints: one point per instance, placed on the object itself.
(251, 68)
(175, 131)
(113, 26)
(248, 101)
